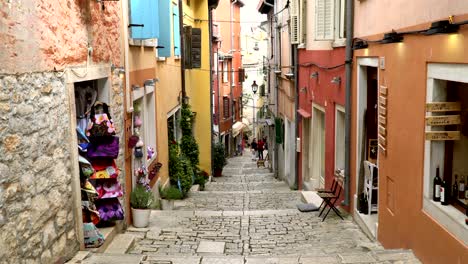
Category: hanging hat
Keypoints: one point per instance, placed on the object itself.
(138, 122)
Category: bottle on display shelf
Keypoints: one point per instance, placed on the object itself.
(444, 193)
(461, 187)
(455, 189)
(436, 187)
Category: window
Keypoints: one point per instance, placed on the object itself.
(234, 108)
(144, 99)
(446, 83)
(241, 73)
(339, 138)
(144, 12)
(226, 107)
(225, 72)
(174, 131)
(233, 77)
(164, 39)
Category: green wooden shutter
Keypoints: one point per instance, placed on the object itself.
(164, 39)
(188, 47)
(196, 47)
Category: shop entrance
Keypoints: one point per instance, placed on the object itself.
(366, 198)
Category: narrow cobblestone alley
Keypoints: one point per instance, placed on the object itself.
(248, 216)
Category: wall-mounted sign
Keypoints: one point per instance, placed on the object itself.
(382, 117)
(444, 120)
(442, 135)
(443, 106)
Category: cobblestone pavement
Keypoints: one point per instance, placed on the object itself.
(247, 216)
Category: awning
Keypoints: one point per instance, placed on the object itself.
(304, 113)
(237, 128)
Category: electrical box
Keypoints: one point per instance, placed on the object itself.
(298, 144)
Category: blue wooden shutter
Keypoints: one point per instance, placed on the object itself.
(144, 12)
(176, 31)
(164, 28)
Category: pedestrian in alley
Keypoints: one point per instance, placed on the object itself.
(253, 145)
(260, 146)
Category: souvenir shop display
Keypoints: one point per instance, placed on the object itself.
(98, 147)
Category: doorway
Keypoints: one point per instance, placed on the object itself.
(306, 153)
(317, 164)
(366, 198)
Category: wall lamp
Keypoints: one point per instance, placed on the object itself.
(360, 44)
(289, 75)
(314, 75)
(336, 80)
(442, 27)
(392, 37)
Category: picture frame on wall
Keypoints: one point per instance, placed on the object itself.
(372, 150)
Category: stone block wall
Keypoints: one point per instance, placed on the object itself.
(36, 204)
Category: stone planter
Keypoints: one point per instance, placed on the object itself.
(141, 217)
(167, 204)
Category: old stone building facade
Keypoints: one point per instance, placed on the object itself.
(48, 46)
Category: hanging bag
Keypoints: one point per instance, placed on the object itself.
(104, 147)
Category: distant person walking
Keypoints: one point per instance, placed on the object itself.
(260, 146)
(253, 145)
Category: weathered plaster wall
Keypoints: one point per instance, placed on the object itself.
(47, 34)
(36, 216)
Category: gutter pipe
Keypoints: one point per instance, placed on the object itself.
(348, 73)
(182, 49)
(296, 118)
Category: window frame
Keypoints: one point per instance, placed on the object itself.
(225, 72)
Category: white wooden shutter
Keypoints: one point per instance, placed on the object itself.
(324, 18)
(294, 21)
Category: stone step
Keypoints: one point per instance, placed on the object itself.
(120, 244)
(104, 258)
(109, 233)
(79, 257)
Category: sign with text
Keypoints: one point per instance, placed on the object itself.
(442, 135)
(382, 117)
(443, 106)
(443, 120)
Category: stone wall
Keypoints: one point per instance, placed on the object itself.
(36, 201)
(43, 35)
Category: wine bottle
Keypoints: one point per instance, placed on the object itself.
(461, 188)
(436, 187)
(444, 193)
(455, 189)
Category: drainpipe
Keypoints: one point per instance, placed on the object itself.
(348, 69)
(182, 49)
(210, 29)
(296, 118)
(124, 6)
(233, 118)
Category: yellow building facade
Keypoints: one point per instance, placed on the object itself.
(197, 80)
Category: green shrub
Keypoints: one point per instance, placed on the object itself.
(189, 148)
(140, 198)
(200, 179)
(174, 161)
(170, 193)
(186, 174)
(219, 158)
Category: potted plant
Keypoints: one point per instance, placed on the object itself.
(141, 200)
(168, 195)
(219, 159)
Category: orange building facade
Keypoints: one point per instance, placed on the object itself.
(227, 71)
(399, 84)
